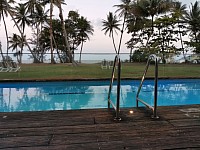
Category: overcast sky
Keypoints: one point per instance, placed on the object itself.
(95, 11)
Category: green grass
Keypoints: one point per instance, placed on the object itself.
(94, 71)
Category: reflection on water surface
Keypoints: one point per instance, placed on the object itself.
(39, 96)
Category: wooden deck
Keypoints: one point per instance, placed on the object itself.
(177, 128)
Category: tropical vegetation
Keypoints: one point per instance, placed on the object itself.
(49, 33)
(155, 26)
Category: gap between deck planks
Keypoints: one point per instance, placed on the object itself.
(177, 128)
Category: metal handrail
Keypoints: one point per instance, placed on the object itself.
(153, 108)
(117, 63)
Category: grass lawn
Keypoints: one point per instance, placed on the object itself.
(94, 71)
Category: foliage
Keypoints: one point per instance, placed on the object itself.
(159, 33)
(156, 26)
(110, 26)
(139, 56)
(78, 29)
(33, 13)
(193, 19)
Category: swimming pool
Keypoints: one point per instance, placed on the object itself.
(66, 95)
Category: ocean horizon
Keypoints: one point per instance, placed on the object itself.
(85, 57)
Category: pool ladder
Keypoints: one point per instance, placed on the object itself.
(154, 58)
(116, 65)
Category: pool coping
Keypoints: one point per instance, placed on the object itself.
(87, 79)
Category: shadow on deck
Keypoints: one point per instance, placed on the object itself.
(177, 128)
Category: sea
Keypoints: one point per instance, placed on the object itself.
(85, 57)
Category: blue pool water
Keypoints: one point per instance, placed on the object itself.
(66, 95)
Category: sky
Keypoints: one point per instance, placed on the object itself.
(95, 11)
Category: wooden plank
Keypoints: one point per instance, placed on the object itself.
(25, 141)
(186, 122)
(177, 128)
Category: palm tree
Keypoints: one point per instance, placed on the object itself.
(21, 16)
(67, 47)
(178, 12)
(11, 13)
(3, 14)
(124, 8)
(41, 17)
(193, 19)
(22, 19)
(111, 25)
(33, 8)
(51, 31)
(16, 41)
(71, 25)
(58, 3)
(1, 50)
(150, 8)
(84, 29)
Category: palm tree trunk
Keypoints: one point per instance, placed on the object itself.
(122, 31)
(39, 44)
(8, 9)
(130, 55)
(6, 36)
(51, 32)
(20, 54)
(195, 35)
(57, 50)
(17, 55)
(114, 43)
(38, 34)
(1, 51)
(67, 47)
(81, 51)
(152, 24)
(181, 42)
(162, 45)
(152, 29)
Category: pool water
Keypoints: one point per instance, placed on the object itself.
(67, 95)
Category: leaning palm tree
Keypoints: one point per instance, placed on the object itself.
(125, 9)
(3, 14)
(11, 13)
(1, 50)
(58, 3)
(84, 29)
(33, 7)
(111, 25)
(67, 47)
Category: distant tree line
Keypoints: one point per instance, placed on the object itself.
(155, 26)
(49, 34)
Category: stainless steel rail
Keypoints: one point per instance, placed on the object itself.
(117, 65)
(153, 108)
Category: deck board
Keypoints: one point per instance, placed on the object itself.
(178, 127)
